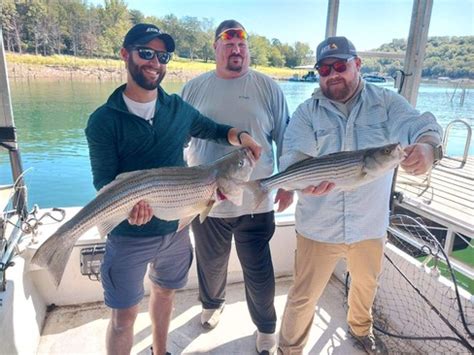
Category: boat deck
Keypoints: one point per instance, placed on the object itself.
(447, 197)
(83, 327)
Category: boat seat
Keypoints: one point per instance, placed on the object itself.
(6, 193)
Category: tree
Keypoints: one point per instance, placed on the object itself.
(92, 28)
(115, 22)
(276, 59)
(207, 49)
(9, 22)
(136, 17)
(260, 49)
(302, 51)
(75, 26)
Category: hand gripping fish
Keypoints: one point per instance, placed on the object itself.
(348, 170)
(175, 193)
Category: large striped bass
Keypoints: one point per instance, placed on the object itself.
(348, 170)
(175, 193)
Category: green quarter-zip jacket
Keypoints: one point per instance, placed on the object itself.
(120, 141)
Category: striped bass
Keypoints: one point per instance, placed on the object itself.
(348, 170)
(174, 193)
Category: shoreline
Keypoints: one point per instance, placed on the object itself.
(26, 72)
(55, 72)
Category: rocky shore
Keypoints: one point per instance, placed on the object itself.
(21, 71)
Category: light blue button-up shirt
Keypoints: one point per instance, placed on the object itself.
(317, 127)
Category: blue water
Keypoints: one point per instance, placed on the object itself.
(50, 117)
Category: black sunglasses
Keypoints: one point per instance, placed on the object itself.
(149, 53)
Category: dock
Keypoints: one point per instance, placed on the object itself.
(444, 198)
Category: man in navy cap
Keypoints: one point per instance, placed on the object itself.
(344, 114)
(142, 127)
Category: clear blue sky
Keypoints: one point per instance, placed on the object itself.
(368, 23)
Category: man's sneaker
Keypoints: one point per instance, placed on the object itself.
(211, 317)
(266, 343)
(372, 344)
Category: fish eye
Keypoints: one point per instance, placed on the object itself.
(241, 163)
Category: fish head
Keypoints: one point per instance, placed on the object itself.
(233, 171)
(379, 160)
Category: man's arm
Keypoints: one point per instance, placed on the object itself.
(299, 143)
(420, 131)
(102, 151)
(105, 161)
(205, 128)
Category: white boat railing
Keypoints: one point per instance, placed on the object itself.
(467, 143)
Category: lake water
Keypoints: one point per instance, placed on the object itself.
(50, 118)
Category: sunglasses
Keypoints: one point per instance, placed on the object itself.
(340, 66)
(148, 54)
(232, 33)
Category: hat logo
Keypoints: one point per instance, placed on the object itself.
(329, 47)
(152, 29)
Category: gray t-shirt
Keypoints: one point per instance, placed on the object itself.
(252, 102)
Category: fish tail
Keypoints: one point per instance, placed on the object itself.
(54, 254)
(258, 192)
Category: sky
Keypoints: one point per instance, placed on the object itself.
(367, 23)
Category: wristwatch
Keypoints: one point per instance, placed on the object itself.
(438, 152)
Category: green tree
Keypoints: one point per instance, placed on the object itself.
(10, 24)
(276, 59)
(136, 16)
(260, 49)
(207, 50)
(91, 33)
(191, 39)
(75, 26)
(115, 22)
(302, 51)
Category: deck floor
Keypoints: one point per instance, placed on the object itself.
(448, 198)
(82, 328)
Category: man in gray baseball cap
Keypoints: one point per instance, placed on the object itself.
(344, 114)
(335, 47)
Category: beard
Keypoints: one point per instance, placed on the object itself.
(136, 71)
(233, 66)
(342, 91)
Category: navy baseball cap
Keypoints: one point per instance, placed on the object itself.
(143, 33)
(335, 47)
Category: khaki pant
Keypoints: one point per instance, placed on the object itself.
(314, 265)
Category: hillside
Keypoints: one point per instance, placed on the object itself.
(451, 57)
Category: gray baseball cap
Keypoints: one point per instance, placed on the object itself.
(335, 47)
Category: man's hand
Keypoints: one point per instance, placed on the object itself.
(284, 199)
(244, 140)
(419, 158)
(140, 214)
(322, 189)
(249, 142)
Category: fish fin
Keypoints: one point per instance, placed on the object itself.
(106, 227)
(54, 253)
(258, 192)
(183, 222)
(203, 215)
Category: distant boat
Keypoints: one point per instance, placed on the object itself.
(374, 78)
(310, 77)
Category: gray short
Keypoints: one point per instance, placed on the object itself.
(126, 260)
